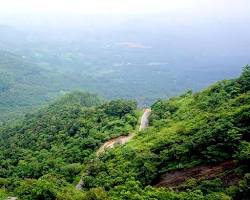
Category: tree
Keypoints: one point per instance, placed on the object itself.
(120, 108)
(244, 79)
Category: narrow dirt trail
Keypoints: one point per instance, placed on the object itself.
(121, 139)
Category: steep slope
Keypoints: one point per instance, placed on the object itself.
(193, 131)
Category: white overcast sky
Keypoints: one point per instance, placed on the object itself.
(213, 10)
(92, 6)
(119, 6)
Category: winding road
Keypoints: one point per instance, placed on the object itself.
(113, 142)
(122, 139)
(144, 119)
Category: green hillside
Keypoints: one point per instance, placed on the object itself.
(51, 144)
(187, 131)
(25, 85)
(44, 155)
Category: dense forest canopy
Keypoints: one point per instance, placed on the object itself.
(44, 155)
(54, 141)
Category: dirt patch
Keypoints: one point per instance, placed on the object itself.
(201, 172)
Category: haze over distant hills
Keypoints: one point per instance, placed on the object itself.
(144, 56)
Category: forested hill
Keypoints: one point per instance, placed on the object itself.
(24, 85)
(200, 141)
(45, 155)
(49, 146)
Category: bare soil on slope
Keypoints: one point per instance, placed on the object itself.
(202, 172)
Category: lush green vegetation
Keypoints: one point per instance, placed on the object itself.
(186, 131)
(3, 194)
(44, 155)
(41, 156)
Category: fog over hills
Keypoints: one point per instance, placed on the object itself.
(130, 51)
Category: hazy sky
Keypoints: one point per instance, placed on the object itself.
(14, 7)
(92, 6)
(59, 11)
